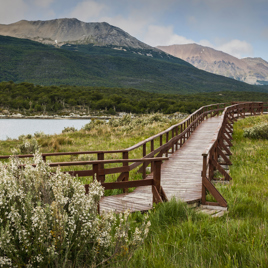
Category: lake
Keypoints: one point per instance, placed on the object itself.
(13, 128)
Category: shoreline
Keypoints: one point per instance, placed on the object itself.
(55, 117)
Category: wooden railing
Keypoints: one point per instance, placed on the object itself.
(217, 155)
(166, 142)
(152, 149)
(98, 172)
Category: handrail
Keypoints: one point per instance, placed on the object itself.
(219, 149)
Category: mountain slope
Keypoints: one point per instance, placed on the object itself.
(61, 31)
(249, 70)
(25, 60)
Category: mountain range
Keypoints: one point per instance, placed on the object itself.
(68, 51)
(249, 70)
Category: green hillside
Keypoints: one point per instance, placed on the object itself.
(86, 65)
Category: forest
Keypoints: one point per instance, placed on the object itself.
(28, 98)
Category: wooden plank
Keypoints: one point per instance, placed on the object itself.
(127, 184)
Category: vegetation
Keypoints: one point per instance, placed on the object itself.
(29, 99)
(181, 237)
(87, 65)
(48, 221)
(259, 131)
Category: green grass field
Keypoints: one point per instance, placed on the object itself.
(179, 237)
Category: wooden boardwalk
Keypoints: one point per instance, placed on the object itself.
(180, 175)
(197, 147)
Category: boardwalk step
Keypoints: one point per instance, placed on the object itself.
(213, 211)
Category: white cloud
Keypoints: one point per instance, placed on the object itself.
(12, 11)
(237, 48)
(43, 3)
(87, 10)
(164, 36)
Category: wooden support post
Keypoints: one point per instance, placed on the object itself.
(101, 167)
(167, 142)
(144, 164)
(184, 134)
(177, 132)
(44, 158)
(204, 172)
(172, 137)
(96, 172)
(181, 137)
(156, 188)
(125, 164)
(152, 149)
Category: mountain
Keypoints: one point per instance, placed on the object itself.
(62, 31)
(249, 70)
(258, 68)
(98, 54)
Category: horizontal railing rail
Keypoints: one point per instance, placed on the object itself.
(98, 171)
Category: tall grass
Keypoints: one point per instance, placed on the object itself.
(180, 237)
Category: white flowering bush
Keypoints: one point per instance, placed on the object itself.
(28, 146)
(259, 131)
(48, 221)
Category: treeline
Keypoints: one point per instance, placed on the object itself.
(36, 98)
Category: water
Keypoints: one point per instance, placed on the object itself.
(13, 128)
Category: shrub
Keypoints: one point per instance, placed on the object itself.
(55, 142)
(39, 134)
(259, 131)
(93, 123)
(28, 146)
(48, 221)
(69, 129)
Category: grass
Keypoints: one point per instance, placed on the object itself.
(180, 237)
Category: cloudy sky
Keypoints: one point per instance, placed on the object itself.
(238, 27)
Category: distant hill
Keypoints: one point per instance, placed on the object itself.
(249, 70)
(24, 60)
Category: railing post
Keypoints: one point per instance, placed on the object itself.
(96, 172)
(204, 172)
(172, 137)
(144, 163)
(152, 149)
(157, 175)
(177, 132)
(44, 158)
(184, 133)
(125, 164)
(167, 142)
(101, 178)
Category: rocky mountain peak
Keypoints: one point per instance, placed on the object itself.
(71, 30)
